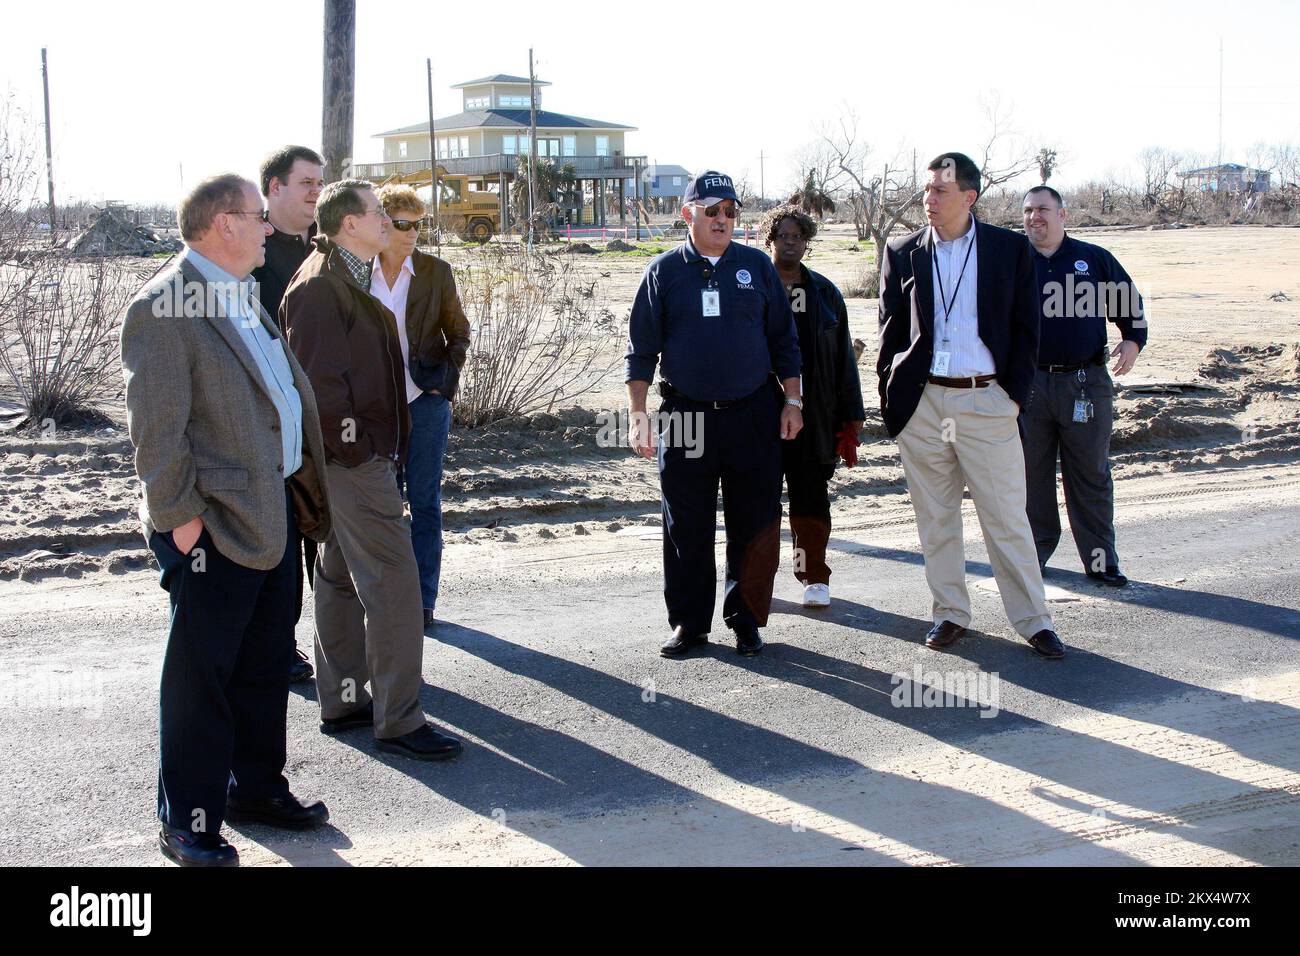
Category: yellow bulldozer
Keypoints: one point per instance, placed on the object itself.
(474, 215)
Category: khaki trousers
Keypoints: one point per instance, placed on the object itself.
(968, 436)
(369, 618)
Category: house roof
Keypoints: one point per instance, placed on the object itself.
(1233, 167)
(662, 170)
(497, 78)
(508, 119)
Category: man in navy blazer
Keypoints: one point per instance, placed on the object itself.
(958, 348)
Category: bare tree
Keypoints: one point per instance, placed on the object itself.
(1005, 154)
(881, 197)
(1157, 166)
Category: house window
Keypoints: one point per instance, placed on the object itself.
(478, 102)
(570, 146)
(677, 180)
(602, 145)
(401, 149)
(509, 145)
(513, 101)
(453, 146)
(548, 147)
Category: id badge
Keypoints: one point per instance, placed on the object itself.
(1082, 410)
(711, 302)
(940, 365)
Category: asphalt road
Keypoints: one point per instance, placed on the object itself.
(583, 745)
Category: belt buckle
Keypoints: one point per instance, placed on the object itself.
(718, 406)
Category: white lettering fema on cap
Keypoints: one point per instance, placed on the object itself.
(717, 181)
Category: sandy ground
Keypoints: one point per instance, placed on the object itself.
(1174, 740)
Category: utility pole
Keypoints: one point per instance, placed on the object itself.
(433, 161)
(49, 148)
(340, 82)
(762, 180)
(1219, 162)
(532, 146)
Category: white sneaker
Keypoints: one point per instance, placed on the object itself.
(817, 595)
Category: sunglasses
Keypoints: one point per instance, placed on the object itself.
(406, 225)
(712, 211)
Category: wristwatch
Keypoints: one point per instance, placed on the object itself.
(796, 402)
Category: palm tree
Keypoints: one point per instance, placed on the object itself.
(555, 184)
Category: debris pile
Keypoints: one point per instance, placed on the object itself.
(111, 234)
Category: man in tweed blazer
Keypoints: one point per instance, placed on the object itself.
(228, 450)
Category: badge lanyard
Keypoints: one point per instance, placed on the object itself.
(944, 354)
(710, 298)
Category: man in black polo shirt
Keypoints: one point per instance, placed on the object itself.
(1070, 409)
(714, 316)
(292, 179)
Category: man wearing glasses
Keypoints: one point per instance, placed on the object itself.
(713, 315)
(228, 449)
(292, 178)
(369, 625)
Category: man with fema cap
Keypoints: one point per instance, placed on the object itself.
(713, 315)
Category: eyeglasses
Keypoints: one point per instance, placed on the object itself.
(262, 214)
(406, 225)
(712, 211)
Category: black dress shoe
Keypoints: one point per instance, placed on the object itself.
(943, 634)
(429, 620)
(1111, 577)
(422, 743)
(285, 812)
(363, 716)
(681, 642)
(1048, 644)
(748, 641)
(301, 669)
(196, 849)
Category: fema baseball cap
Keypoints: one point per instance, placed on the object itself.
(710, 188)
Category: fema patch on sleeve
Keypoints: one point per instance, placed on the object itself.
(1080, 265)
(743, 276)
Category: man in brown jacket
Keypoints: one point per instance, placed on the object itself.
(228, 450)
(369, 622)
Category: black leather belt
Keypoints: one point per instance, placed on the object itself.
(1098, 359)
(667, 391)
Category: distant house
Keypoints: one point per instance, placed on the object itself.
(485, 140)
(664, 186)
(1228, 177)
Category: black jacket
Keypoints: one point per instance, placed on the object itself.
(284, 254)
(832, 391)
(1008, 317)
(436, 328)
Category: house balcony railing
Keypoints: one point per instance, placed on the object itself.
(584, 167)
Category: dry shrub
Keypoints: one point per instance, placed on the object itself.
(60, 336)
(542, 333)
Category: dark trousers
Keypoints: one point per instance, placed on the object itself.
(738, 447)
(810, 512)
(225, 683)
(1048, 431)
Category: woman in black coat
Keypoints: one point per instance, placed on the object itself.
(832, 397)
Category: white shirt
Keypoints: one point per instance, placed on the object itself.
(395, 299)
(960, 326)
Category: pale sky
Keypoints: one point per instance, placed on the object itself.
(143, 92)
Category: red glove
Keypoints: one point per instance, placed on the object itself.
(846, 443)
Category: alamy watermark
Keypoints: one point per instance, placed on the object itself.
(922, 688)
